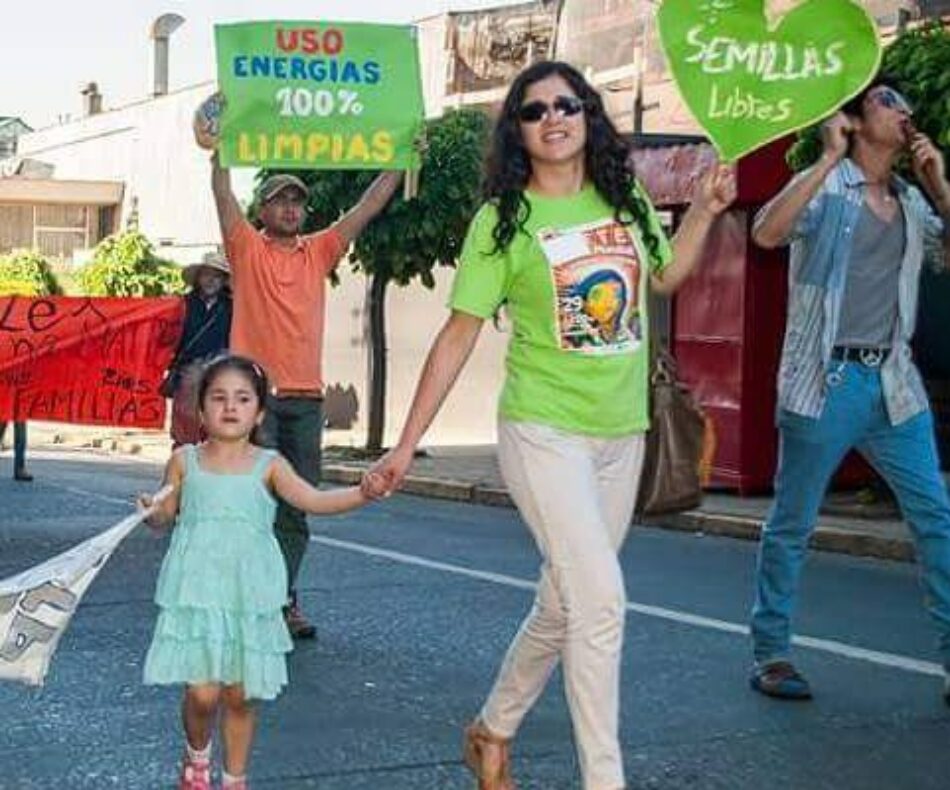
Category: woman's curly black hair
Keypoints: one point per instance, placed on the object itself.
(606, 159)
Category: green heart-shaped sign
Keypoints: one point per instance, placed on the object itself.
(750, 79)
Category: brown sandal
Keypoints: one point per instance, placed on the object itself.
(494, 777)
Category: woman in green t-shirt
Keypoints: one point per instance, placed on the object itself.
(568, 242)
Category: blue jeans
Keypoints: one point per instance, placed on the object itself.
(810, 451)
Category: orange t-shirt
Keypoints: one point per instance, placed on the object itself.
(280, 302)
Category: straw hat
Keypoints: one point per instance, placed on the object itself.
(210, 260)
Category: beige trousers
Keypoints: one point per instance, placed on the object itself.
(576, 494)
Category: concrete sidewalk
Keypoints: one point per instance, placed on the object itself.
(470, 474)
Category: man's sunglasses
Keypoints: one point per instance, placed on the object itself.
(564, 106)
(892, 100)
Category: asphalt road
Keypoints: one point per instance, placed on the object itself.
(415, 602)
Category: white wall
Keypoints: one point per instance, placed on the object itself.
(414, 315)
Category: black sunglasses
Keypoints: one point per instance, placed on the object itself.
(564, 106)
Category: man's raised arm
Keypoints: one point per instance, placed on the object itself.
(229, 210)
(776, 222)
(374, 199)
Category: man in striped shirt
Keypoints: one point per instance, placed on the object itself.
(859, 236)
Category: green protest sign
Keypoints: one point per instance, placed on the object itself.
(750, 75)
(319, 95)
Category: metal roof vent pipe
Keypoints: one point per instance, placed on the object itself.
(160, 32)
(91, 99)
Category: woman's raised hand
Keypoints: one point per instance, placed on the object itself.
(717, 190)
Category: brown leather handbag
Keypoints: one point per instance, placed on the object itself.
(679, 445)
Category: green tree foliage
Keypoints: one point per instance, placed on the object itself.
(411, 237)
(126, 265)
(918, 62)
(27, 273)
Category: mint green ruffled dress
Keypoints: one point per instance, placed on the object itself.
(222, 585)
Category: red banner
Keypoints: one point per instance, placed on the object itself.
(95, 361)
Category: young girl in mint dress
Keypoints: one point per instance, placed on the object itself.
(223, 582)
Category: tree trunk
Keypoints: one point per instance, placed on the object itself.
(376, 298)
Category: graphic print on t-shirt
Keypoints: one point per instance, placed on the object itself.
(596, 271)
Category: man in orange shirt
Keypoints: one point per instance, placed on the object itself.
(279, 280)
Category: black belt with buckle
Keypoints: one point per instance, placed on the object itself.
(871, 357)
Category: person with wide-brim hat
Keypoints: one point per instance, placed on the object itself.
(205, 335)
(211, 262)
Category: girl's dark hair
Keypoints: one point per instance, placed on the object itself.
(248, 367)
(606, 159)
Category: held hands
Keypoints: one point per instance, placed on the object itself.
(207, 121)
(717, 190)
(834, 137)
(373, 487)
(387, 474)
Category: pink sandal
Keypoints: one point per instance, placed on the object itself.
(195, 775)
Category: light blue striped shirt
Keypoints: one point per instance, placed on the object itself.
(820, 252)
